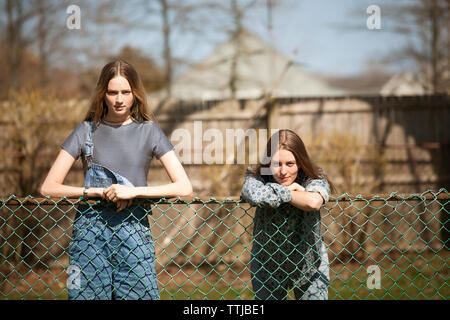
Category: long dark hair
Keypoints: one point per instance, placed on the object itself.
(289, 140)
(98, 108)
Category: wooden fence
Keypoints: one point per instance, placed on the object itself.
(367, 144)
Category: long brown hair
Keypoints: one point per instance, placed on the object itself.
(98, 108)
(289, 140)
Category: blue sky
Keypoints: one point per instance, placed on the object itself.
(330, 36)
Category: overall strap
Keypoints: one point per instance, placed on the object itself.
(89, 146)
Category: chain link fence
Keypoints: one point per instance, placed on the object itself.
(392, 246)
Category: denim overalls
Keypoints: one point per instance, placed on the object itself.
(112, 255)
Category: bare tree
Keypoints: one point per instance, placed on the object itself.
(17, 14)
(184, 19)
(169, 18)
(27, 23)
(429, 22)
(36, 40)
(48, 36)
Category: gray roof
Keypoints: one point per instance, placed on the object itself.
(259, 69)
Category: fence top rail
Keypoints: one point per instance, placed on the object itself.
(13, 200)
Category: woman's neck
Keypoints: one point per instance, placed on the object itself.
(127, 120)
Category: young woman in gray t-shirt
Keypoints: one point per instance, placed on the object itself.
(112, 253)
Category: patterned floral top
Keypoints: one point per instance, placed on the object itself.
(286, 240)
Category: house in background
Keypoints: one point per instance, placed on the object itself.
(403, 84)
(247, 68)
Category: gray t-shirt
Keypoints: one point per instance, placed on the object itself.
(125, 149)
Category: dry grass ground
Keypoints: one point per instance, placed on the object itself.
(410, 276)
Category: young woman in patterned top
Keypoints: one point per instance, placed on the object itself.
(288, 249)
